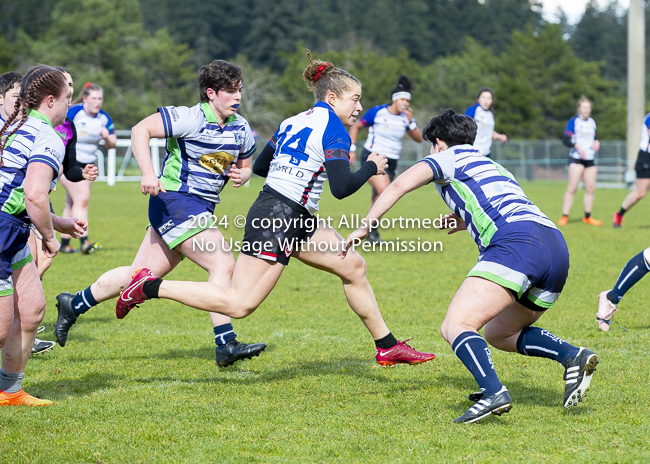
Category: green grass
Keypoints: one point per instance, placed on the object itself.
(147, 389)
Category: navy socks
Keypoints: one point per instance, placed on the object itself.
(541, 343)
(474, 353)
(223, 334)
(83, 301)
(633, 271)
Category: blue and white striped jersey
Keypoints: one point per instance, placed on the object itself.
(88, 131)
(35, 142)
(645, 137)
(481, 192)
(200, 151)
(385, 131)
(485, 122)
(303, 143)
(583, 134)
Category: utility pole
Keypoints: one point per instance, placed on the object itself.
(635, 83)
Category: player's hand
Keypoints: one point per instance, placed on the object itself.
(408, 112)
(353, 157)
(103, 133)
(90, 172)
(581, 151)
(51, 247)
(503, 138)
(150, 184)
(236, 176)
(453, 223)
(380, 160)
(354, 239)
(71, 226)
(596, 145)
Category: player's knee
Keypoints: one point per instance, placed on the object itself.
(355, 269)
(242, 310)
(30, 319)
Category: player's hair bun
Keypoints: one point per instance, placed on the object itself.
(315, 70)
(404, 84)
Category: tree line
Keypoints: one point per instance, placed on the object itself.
(146, 53)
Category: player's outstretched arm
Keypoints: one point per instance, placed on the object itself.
(150, 127)
(241, 172)
(414, 178)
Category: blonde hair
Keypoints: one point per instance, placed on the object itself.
(584, 99)
(322, 78)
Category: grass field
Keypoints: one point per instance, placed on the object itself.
(147, 389)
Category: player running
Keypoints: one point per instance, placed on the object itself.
(387, 125)
(580, 136)
(642, 168)
(306, 150)
(483, 113)
(207, 144)
(521, 270)
(32, 153)
(93, 125)
(608, 300)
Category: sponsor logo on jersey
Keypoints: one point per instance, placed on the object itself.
(216, 162)
(288, 249)
(166, 226)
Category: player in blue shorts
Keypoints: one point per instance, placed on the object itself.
(387, 125)
(521, 270)
(608, 300)
(31, 153)
(93, 125)
(207, 145)
(306, 150)
(580, 136)
(483, 113)
(642, 168)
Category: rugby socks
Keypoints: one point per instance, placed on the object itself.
(622, 211)
(474, 353)
(83, 301)
(223, 334)
(587, 215)
(633, 271)
(150, 288)
(65, 242)
(388, 341)
(541, 343)
(11, 382)
(82, 241)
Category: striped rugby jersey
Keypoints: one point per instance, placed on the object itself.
(200, 151)
(385, 132)
(35, 142)
(88, 131)
(485, 130)
(583, 134)
(303, 143)
(481, 192)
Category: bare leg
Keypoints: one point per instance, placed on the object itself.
(28, 311)
(153, 254)
(589, 175)
(67, 210)
(640, 190)
(575, 173)
(379, 184)
(352, 271)
(252, 281)
(42, 262)
(78, 194)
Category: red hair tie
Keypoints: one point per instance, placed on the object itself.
(320, 71)
(88, 84)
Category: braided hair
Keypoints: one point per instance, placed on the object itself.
(40, 82)
(323, 78)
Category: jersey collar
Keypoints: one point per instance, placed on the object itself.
(211, 117)
(39, 115)
(322, 104)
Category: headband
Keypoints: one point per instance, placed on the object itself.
(402, 94)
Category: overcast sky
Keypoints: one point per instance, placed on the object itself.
(573, 8)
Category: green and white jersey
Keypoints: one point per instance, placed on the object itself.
(35, 142)
(484, 194)
(200, 151)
